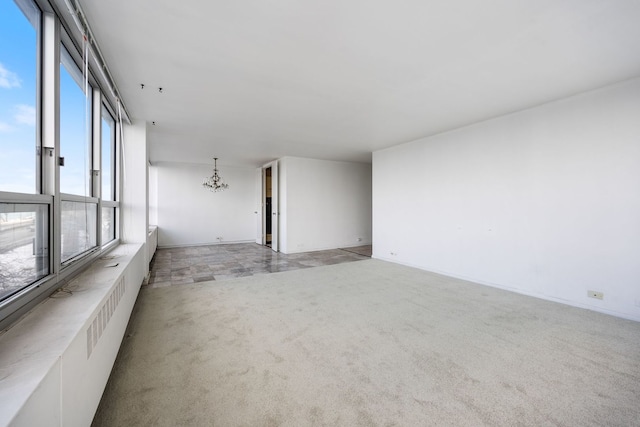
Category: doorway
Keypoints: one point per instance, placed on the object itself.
(268, 207)
(268, 225)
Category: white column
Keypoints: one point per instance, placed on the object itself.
(135, 186)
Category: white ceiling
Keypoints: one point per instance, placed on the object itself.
(253, 80)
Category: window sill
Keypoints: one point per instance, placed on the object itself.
(53, 363)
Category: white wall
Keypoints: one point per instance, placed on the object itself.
(323, 204)
(188, 214)
(545, 202)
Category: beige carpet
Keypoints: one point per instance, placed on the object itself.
(369, 344)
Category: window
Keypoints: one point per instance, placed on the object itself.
(18, 77)
(108, 169)
(78, 215)
(108, 222)
(108, 155)
(75, 142)
(78, 227)
(43, 243)
(24, 255)
(25, 215)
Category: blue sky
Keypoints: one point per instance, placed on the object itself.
(18, 111)
(17, 100)
(74, 176)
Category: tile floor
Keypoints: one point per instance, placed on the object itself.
(177, 266)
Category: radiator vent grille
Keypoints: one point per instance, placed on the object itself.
(101, 320)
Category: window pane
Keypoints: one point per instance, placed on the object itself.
(78, 228)
(24, 254)
(75, 175)
(108, 224)
(18, 72)
(108, 144)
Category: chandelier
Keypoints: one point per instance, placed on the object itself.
(215, 181)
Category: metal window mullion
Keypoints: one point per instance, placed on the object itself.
(76, 198)
(96, 125)
(96, 178)
(39, 123)
(114, 160)
(117, 176)
(8, 197)
(117, 160)
(50, 112)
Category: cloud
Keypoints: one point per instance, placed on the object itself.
(4, 127)
(26, 115)
(8, 79)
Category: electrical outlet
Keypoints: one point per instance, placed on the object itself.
(595, 294)
(393, 253)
